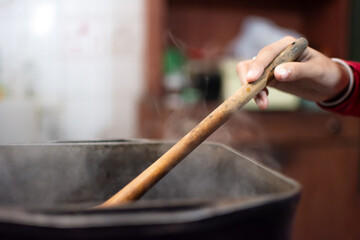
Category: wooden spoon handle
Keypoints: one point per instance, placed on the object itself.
(149, 177)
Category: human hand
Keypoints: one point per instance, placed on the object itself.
(314, 77)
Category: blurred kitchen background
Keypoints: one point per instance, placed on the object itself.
(117, 69)
(70, 69)
(121, 69)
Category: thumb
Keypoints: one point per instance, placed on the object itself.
(293, 71)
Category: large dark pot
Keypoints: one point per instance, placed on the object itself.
(215, 193)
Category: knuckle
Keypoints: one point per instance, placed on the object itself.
(267, 49)
(295, 71)
(239, 65)
(251, 66)
(242, 66)
(288, 39)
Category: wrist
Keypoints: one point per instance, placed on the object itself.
(344, 84)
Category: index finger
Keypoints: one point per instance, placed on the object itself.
(265, 56)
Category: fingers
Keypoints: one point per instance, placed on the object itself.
(262, 100)
(264, 57)
(293, 71)
(251, 70)
(241, 69)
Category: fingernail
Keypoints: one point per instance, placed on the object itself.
(284, 73)
(252, 74)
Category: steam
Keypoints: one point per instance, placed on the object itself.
(210, 173)
(82, 175)
(184, 120)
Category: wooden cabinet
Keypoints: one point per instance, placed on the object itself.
(318, 149)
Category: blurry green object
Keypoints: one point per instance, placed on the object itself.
(174, 60)
(174, 73)
(191, 95)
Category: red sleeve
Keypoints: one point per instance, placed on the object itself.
(351, 106)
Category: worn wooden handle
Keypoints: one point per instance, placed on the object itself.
(149, 177)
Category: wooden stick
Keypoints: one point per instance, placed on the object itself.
(149, 177)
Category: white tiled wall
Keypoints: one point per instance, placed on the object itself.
(79, 62)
